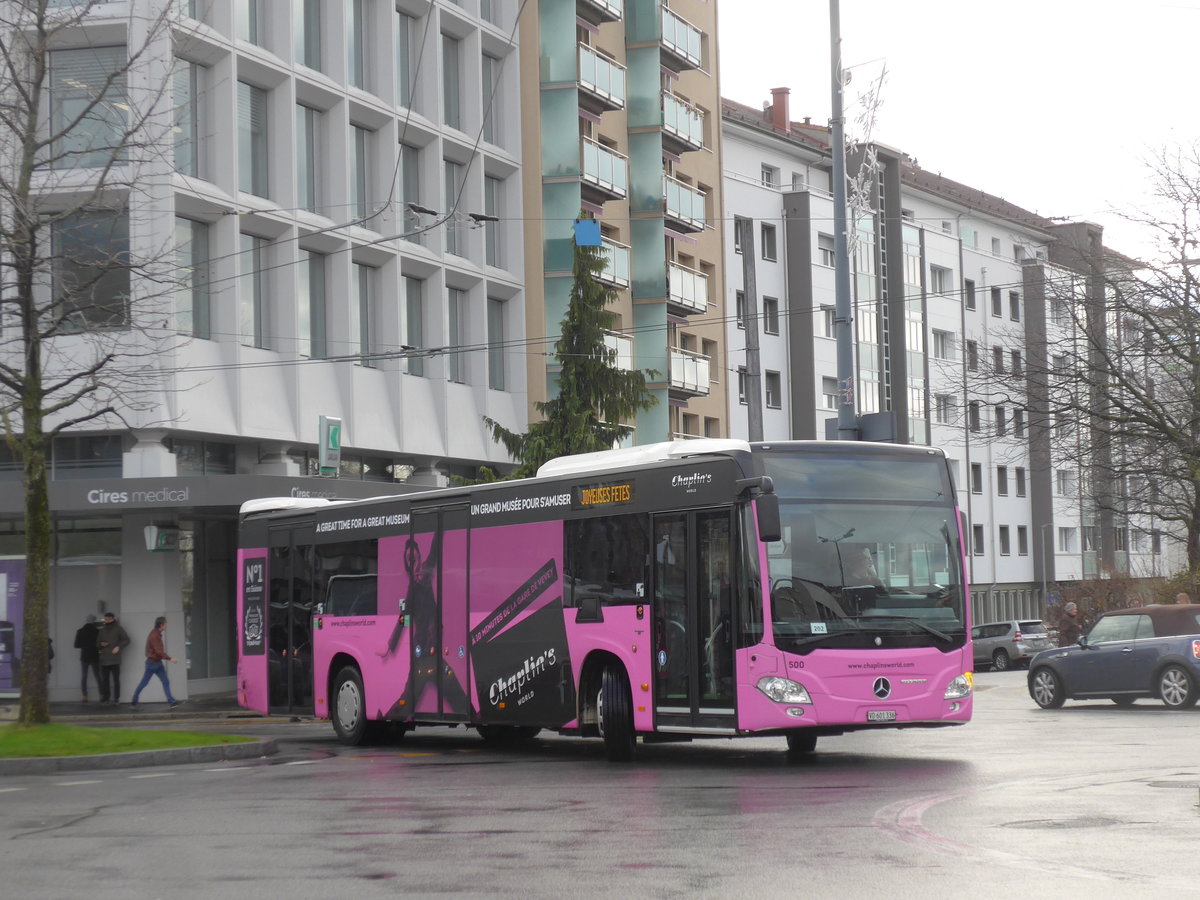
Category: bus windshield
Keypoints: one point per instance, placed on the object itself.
(868, 547)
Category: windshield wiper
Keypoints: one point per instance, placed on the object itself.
(819, 638)
(911, 620)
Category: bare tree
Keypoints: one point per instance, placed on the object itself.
(82, 307)
(1111, 382)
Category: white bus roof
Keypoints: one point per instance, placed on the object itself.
(641, 455)
(271, 504)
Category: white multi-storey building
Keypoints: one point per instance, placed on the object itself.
(949, 303)
(335, 184)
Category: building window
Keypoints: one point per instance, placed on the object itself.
(995, 246)
(1022, 540)
(1014, 306)
(943, 345)
(770, 176)
(997, 303)
(87, 456)
(945, 408)
(829, 393)
(740, 308)
(360, 193)
(977, 539)
(829, 321)
(1020, 473)
(306, 21)
(1091, 538)
(88, 115)
(492, 111)
(1005, 547)
(1019, 422)
(91, 277)
(404, 59)
(969, 290)
(410, 190)
(709, 349)
(976, 478)
(973, 415)
(826, 252)
(187, 117)
(742, 379)
(770, 315)
(456, 312)
(972, 356)
(1120, 539)
(451, 82)
(774, 390)
(496, 331)
(768, 242)
(1001, 421)
(191, 260)
(1064, 482)
(1016, 364)
(252, 139)
(252, 301)
(1066, 540)
(455, 242)
(1002, 481)
(362, 313)
(493, 193)
(998, 360)
(356, 42)
(204, 457)
(308, 160)
(939, 280)
(738, 224)
(414, 323)
(712, 427)
(246, 24)
(310, 285)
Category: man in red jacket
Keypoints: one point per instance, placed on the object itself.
(156, 655)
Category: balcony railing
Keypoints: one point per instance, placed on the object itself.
(682, 121)
(681, 39)
(601, 78)
(683, 204)
(605, 169)
(687, 288)
(616, 264)
(689, 371)
(597, 11)
(622, 345)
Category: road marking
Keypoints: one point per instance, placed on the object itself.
(74, 783)
(411, 755)
(303, 762)
(11, 790)
(154, 775)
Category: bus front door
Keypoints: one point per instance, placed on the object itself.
(436, 564)
(693, 665)
(289, 619)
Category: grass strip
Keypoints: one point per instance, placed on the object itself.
(77, 740)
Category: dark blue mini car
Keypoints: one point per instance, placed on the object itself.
(1149, 651)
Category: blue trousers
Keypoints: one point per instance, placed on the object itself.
(154, 667)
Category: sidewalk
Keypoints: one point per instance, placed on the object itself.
(212, 707)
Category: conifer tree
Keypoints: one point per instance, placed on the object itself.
(594, 397)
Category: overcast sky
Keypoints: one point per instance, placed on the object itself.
(1053, 105)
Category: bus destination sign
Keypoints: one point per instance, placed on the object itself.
(591, 496)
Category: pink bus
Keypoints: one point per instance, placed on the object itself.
(702, 588)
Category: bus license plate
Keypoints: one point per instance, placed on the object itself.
(881, 715)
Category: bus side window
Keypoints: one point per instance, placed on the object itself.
(605, 560)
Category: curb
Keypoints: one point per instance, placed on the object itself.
(48, 765)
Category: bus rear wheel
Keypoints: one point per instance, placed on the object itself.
(349, 711)
(614, 711)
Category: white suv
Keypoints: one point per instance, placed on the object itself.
(1002, 645)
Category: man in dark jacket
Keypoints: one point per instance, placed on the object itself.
(89, 653)
(111, 639)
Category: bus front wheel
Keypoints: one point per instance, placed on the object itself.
(349, 712)
(614, 709)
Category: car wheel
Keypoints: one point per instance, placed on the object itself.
(801, 742)
(1175, 688)
(1000, 660)
(1046, 688)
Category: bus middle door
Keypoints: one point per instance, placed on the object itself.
(693, 664)
(436, 560)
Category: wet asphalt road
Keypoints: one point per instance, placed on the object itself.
(1090, 800)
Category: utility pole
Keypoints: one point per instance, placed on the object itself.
(754, 398)
(843, 320)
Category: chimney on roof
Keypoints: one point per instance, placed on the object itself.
(780, 117)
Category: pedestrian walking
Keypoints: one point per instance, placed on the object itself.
(1069, 626)
(89, 654)
(156, 655)
(111, 639)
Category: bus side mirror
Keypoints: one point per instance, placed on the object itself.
(766, 507)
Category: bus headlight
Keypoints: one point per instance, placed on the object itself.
(958, 688)
(784, 690)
